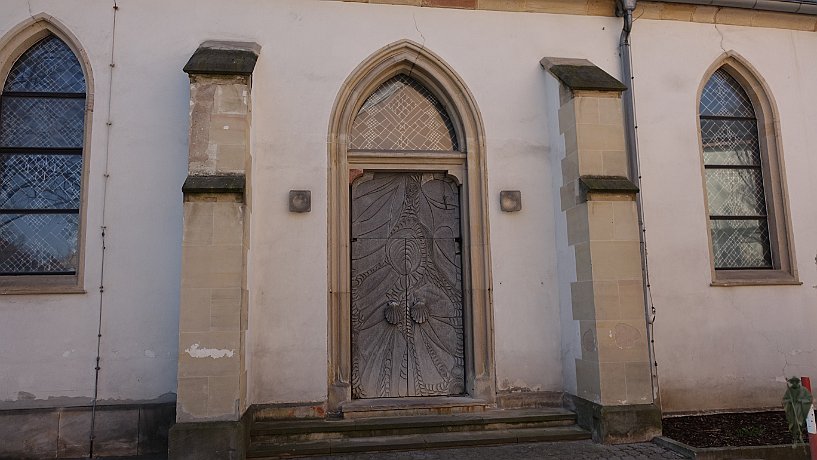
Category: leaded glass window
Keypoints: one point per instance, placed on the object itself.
(402, 114)
(739, 223)
(42, 112)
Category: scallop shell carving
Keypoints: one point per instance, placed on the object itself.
(392, 312)
(419, 312)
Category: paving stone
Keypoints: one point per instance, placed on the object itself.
(574, 450)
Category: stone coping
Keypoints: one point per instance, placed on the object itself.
(214, 184)
(581, 75)
(778, 452)
(223, 58)
(607, 184)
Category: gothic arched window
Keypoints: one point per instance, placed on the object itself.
(42, 117)
(744, 191)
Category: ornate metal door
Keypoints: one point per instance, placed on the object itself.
(407, 328)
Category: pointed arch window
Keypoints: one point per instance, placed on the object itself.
(42, 118)
(743, 181)
(402, 114)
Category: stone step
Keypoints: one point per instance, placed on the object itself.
(416, 441)
(409, 406)
(316, 430)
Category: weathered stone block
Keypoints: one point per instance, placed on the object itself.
(615, 260)
(613, 383)
(192, 398)
(228, 224)
(591, 162)
(116, 432)
(231, 99)
(625, 218)
(212, 266)
(29, 434)
(601, 220)
(194, 311)
(617, 424)
(606, 300)
(615, 163)
(75, 427)
(631, 299)
(198, 224)
(587, 110)
(639, 382)
(622, 340)
(207, 441)
(222, 397)
(154, 424)
(600, 137)
(225, 309)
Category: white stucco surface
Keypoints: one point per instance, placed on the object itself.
(49, 341)
(722, 347)
(710, 341)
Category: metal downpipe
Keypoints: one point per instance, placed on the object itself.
(625, 10)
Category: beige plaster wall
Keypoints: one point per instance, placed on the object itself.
(744, 338)
(291, 112)
(722, 347)
(293, 90)
(49, 342)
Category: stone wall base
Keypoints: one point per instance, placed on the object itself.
(64, 432)
(209, 440)
(529, 399)
(290, 411)
(617, 424)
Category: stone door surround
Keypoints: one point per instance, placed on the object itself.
(467, 166)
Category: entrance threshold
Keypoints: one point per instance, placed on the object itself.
(391, 407)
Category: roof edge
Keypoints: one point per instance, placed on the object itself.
(780, 6)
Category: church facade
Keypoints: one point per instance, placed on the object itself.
(311, 208)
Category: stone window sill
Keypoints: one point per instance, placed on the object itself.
(730, 278)
(26, 285)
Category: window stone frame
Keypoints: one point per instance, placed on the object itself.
(784, 267)
(12, 46)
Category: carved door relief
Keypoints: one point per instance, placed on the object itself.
(406, 312)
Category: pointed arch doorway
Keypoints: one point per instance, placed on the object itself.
(409, 309)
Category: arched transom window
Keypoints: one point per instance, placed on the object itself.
(403, 115)
(733, 163)
(42, 112)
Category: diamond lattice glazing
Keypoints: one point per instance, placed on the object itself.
(49, 67)
(42, 108)
(38, 243)
(40, 181)
(735, 192)
(730, 142)
(41, 122)
(723, 96)
(734, 178)
(403, 115)
(741, 244)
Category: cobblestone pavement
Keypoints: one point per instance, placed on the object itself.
(574, 450)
